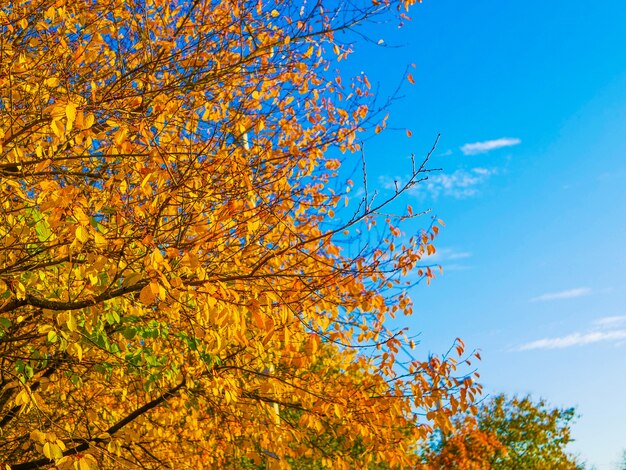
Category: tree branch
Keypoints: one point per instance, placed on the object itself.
(33, 464)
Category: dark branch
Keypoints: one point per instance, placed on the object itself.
(33, 464)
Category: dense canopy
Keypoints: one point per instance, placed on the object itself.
(179, 284)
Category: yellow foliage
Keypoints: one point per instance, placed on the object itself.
(175, 286)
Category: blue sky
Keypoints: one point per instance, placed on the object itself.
(530, 100)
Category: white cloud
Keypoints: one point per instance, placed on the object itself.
(609, 321)
(602, 330)
(489, 145)
(457, 255)
(360, 192)
(575, 339)
(565, 294)
(449, 259)
(447, 254)
(459, 184)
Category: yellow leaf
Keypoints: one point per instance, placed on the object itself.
(99, 239)
(46, 450)
(20, 290)
(156, 258)
(57, 128)
(132, 279)
(80, 215)
(120, 136)
(66, 463)
(71, 322)
(61, 444)
(37, 436)
(337, 410)
(51, 82)
(77, 350)
(89, 120)
(57, 110)
(154, 287)
(114, 447)
(52, 336)
(82, 234)
(70, 114)
(55, 451)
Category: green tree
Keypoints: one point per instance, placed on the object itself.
(507, 434)
(535, 435)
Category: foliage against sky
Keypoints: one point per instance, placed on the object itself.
(506, 434)
(534, 434)
(174, 287)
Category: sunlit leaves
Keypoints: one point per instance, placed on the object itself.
(178, 285)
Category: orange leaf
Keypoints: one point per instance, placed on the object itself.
(147, 295)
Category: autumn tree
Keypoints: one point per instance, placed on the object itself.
(466, 448)
(507, 434)
(178, 285)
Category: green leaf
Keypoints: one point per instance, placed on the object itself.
(129, 333)
(52, 336)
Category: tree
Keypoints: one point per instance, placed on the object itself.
(175, 288)
(507, 434)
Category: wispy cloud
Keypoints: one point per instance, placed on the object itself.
(601, 330)
(447, 254)
(610, 321)
(565, 294)
(575, 339)
(450, 259)
(459, 184)
(489, 145)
